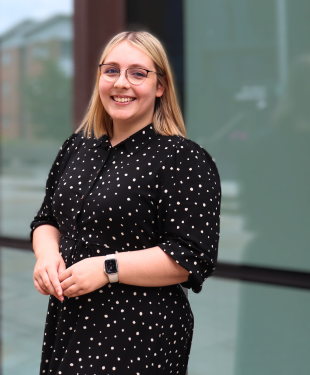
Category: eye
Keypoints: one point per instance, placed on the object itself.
(109, 70)
(137, 73)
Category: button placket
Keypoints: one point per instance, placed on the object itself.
(94, 178)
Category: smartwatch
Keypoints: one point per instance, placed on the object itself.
(111, 268)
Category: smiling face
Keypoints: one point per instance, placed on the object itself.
(129, 105)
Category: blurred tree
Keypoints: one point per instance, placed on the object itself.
(47, 101)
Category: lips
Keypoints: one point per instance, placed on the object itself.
(125, 99)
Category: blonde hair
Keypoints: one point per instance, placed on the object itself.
(167, 117)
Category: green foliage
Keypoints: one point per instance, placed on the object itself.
(47, 102)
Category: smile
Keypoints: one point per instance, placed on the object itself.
(123, 100)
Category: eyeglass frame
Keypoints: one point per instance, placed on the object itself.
(120, 70)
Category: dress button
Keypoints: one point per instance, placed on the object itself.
(82, 197)
(73, 228)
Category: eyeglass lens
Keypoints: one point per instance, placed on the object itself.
(134, 75)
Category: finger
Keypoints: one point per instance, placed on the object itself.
(53, 276)
(67, 283)
(65, 274)
(47, 283)
(39, 289)
(42, 285)
(71, 291)
(80, 292)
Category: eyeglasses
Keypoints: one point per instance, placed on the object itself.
(135, 76)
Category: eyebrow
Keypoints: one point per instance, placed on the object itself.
(130, 66)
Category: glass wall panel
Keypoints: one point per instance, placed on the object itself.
(36, 117)
(240, 328)
(246, 328)
(36, 104)
(247, 102)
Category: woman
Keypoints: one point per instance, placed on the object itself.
(131, 212)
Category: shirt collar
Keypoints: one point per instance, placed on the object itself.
(140, 139)
(132, 144)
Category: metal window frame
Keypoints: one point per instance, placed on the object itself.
(224, 270)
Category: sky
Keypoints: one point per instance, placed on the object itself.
(14, 11)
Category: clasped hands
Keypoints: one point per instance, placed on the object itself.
(51, 276)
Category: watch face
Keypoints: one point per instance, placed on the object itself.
(111, 266)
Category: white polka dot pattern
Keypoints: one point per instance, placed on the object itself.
(149, 190)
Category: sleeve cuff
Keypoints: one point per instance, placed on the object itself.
(186, 259)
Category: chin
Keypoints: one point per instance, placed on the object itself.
(121, 118)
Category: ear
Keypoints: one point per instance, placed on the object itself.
(160, 88)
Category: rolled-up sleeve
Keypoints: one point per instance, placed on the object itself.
(45, 214)
(189, 212)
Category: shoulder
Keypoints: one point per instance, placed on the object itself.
(190, 152)
(73, 142)
(190, 148)
(69, 141)
(169, 142)
(67, 148)
(184, 146)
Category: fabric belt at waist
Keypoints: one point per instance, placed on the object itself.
(90, 246)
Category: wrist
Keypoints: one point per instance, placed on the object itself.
(111, 268)
(44, 252)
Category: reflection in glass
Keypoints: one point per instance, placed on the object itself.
(275, 179)
(242, 105)
(276, 204)
(36, 113)
(23, 312)
(273, 331)
(36, 105)
(266, 333)
(247, 102)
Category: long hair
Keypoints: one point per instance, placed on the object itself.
(167, 117)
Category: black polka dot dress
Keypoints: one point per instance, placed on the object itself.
(149, 190)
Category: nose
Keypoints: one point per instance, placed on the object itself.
(122, 81)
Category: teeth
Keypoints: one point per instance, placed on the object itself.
(122, 100)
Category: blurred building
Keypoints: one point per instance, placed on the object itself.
(24, 50)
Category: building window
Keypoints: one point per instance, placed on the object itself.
(5, 121)
(5, 89)
(6, 58)
(40, 52)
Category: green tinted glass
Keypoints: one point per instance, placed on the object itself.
(36, 105)
(36, 110)
(246, 328)
(247, 102)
